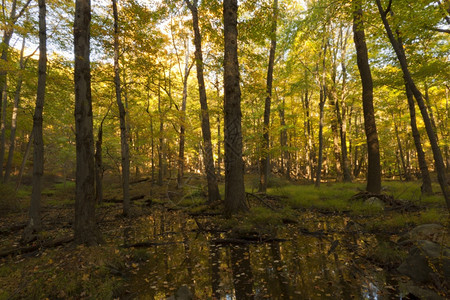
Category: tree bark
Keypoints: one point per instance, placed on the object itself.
(125, 162)
(12, 136)
(213, 189)
(265, 159)
(234, 165)
(373, 147)
(85, 227)
(34, 224)
(401, 56)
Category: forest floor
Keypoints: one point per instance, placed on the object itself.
(296, 242)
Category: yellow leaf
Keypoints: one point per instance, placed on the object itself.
(85, 277)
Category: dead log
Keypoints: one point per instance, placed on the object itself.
(8, 230)
(37, 246)
(147, 244)
(140, 180)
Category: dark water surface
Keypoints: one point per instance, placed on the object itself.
(321, 258)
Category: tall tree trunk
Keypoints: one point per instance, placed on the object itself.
(265, 159)
(309, 146)
(322, 100)
(373, 147)
(342, 117)
(399, 51)
(125, 162)
(34, 223)
(98, 157)
(400, 150)
(8, 31)
(12, 136)
(99, 166)
(213, 189)
(183, 121)
(161, 138)
(234, 165)
(85, 227)
(285, 160)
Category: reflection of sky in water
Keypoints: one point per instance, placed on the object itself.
(302, 267)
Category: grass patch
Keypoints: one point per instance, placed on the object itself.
(387, 254)
(402, 221)
(328, 196)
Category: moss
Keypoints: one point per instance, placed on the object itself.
(387, 254)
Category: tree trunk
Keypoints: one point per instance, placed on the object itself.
(183, 121)
(265, 159)
(322, 100)
(400, 150)
(98, 157)
(213, 189)
(342, 117)
(34, 223)
(8, 31)
(285, 160)
(234, 165)
(122, 117)
(438, 160)
(24, 160)
(373, 147)
(12, 136)
(85, 227)
(161, 138)
(99, 166)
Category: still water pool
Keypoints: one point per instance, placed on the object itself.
(321, 258)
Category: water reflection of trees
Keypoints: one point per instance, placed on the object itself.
(306, 266)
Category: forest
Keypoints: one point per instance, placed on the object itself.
(204, 149)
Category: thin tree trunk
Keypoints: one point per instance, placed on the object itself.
(24, 161)
(234, 165)
(85, 227)
(8, 31)
(12, 137)
(122, 117)
(342, 117)
(99, 162)
(213, 189)
(322, 100)
(34, 224)
(438, 160)
(400, 150)
(183, 120)
(373, 147)
(285, 160)
(265, 159)
(161, 138)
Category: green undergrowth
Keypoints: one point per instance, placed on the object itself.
(336, 196)
(387, 254)
(396, 221)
